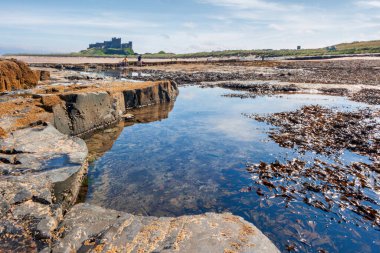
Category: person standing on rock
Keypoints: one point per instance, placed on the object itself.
(139, 60)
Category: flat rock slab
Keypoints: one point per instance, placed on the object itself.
(88, 228)
(44, 150)
(41, 171)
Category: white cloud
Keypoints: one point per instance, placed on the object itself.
(369, 4)
(105, 21)
(252, 4)
(189, 25)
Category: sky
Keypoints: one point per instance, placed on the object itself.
(184, 26)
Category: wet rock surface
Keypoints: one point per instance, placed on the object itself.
(41, 172)
(41, 149)
(89, 228)
(28, 214)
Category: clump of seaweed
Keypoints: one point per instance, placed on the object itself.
(325, 131)
(369, 96)
(328, 187)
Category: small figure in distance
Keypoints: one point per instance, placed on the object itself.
(125, 62)
(139, 60)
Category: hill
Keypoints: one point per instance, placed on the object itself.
(359, 45)
(362, 47)
(105, 52)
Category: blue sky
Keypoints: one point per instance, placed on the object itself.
(185, 25)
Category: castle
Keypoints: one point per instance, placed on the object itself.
(114, 43)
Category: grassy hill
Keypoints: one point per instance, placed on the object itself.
(363, 47)
(359, 45)
(105, 52)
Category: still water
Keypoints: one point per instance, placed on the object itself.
(190, 157)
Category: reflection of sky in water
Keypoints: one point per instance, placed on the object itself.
(194, 162)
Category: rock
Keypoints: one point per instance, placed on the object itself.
(91, 228)
(44, 75)
(128, 116)
(44, 171)
(29, 218)
(83, 113)
(78, 77)
(16, 75)
(44, 150)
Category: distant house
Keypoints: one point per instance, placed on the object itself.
(332, 48)
(114, 43)
(298, 47)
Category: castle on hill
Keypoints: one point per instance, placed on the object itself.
(115, 43)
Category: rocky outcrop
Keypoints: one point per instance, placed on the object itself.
(88, 228)
(41, 171)
(164, 92)
(80, 109)
(85, 112)
(16, 75)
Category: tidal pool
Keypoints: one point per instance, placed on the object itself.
(190, 157)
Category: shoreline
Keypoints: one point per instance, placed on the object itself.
(67, 59)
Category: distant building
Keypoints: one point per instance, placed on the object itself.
(332, 48)
(298, 47)
(114, 43)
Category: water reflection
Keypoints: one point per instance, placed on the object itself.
(151, 113)
(194, 161)
(102, 141)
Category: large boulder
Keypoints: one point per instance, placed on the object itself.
(16, 75)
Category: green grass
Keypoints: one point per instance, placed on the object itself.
(359, 45)
(105, 52)
(363, 47)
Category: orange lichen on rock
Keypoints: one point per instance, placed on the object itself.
(2, 133)
(49, 101)
(22, 112)
(16, 75)
(112, 87)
